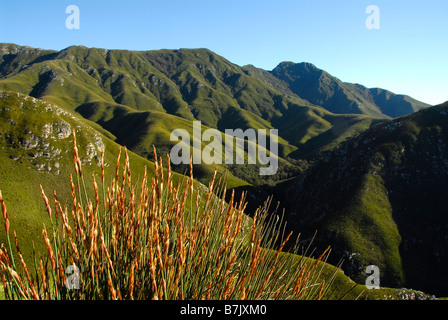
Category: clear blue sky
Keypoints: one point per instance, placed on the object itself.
(407, 55)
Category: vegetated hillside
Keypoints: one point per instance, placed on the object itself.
(323, 89)
(381, 199)
(112, 86)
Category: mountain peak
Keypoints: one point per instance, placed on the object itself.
(322, 89)
(301, 65)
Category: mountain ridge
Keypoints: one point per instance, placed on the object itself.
(305, 79)
(283, 79)
(185, 83)
(188, 83)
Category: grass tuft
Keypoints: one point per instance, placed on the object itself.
(158, 240)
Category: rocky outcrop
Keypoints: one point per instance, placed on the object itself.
(40, 133)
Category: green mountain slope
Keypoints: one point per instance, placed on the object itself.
(107, 86)
(321, 88)
(383, 202)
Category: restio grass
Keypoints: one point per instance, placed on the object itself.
(157, 240)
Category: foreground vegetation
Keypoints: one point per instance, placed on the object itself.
(157, 240)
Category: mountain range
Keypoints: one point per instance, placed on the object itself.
(363, 166)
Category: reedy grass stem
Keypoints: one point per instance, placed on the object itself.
(161, 240)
